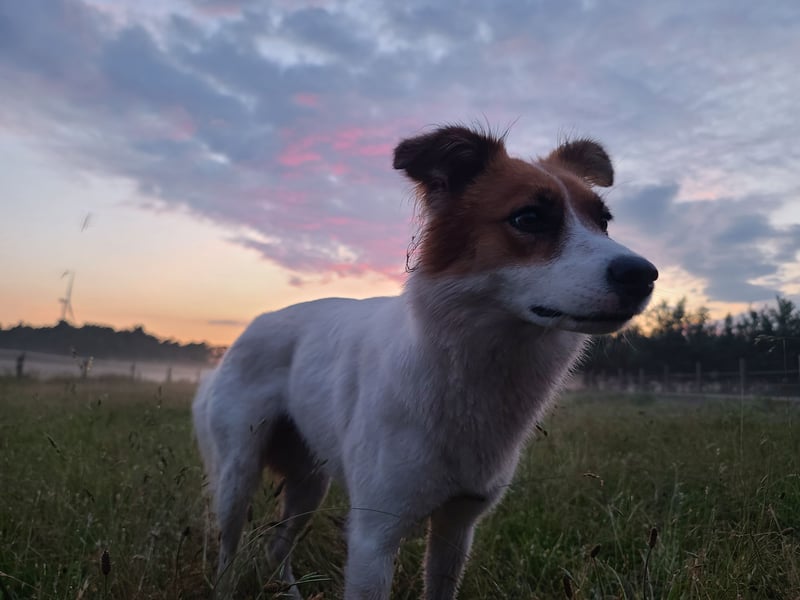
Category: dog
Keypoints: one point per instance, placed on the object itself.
(420, 404)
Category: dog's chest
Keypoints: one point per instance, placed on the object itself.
(484, 429)
(481, 414)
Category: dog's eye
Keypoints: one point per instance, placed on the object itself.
(528, 220)
(604, 220)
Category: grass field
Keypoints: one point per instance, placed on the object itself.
(90, 466)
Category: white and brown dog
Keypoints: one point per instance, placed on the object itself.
(420, 404)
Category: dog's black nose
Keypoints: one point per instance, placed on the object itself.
(632, 277)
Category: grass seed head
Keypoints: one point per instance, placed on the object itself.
(653, 538)
(105, 563)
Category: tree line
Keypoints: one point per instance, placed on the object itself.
(668, 335)
(103, 342)
(674, 336)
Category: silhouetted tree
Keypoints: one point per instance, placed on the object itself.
(103, 342)
(675, 337)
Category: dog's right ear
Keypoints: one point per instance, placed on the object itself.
(445, 161)
(585, 158)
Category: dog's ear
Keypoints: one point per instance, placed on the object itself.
(446, 160)
(586, 158)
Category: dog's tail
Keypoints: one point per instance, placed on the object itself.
(202, 431)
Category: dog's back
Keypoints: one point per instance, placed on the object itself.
(283, 363)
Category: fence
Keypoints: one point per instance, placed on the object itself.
(47, 366)
(737, 381)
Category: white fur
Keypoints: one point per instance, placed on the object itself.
(585, 291)
(419, 405)
(411, 401)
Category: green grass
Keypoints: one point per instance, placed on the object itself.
(97, 465)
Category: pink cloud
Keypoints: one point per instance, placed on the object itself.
(348, 142)
(299, 151)
(344, 139)
(292, 158)
(356, 139)
(311, 248)
(375, 150)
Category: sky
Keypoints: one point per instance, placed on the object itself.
(197, 162)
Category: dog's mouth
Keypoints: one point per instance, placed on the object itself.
(551, 313)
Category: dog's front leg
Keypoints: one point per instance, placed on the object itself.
(449, 540)
(372, 543)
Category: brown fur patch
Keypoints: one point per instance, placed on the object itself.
(473, 234)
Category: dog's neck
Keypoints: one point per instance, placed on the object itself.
(457, 321)
(486, 375)
(450, 311)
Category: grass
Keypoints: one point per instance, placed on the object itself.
(88, 467)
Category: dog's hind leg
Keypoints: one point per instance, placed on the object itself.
(300, 499)
(304, 487)
(239, 479)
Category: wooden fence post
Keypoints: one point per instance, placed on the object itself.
(666, 378)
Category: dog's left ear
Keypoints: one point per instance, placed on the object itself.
(446, 160)
(587, 159)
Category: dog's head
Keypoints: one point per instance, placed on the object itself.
(537, 230)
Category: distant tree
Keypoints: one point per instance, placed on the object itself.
(678, 338)
(102, 342)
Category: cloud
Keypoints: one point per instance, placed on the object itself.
(729, 243)
(277, 120)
